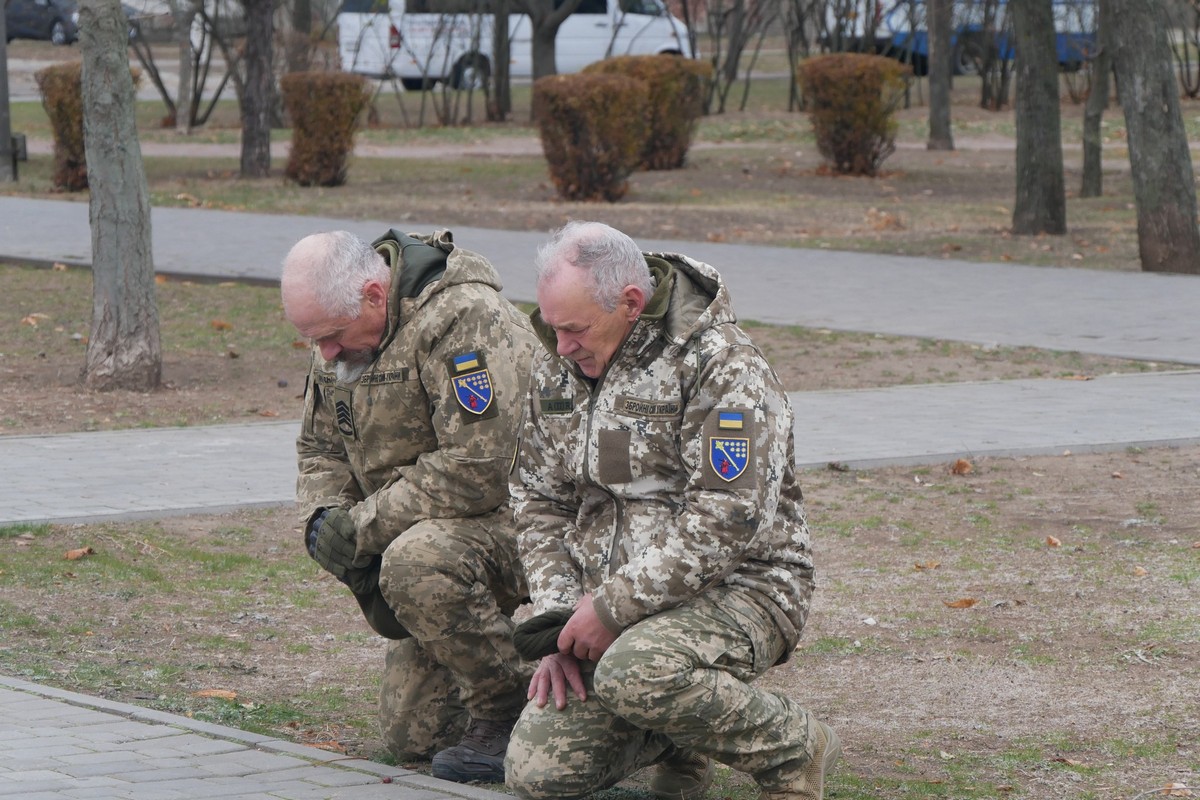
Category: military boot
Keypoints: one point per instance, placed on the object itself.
(682, 775)
(479, 756)
(811, 785)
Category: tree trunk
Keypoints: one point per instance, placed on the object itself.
(543, 51)
(940, 135)
(1041, 203)
(500, 107)
(124, 350)
(1161, 165)
(8, 171)
(1092, 184)
(183, 15)
(257, 103)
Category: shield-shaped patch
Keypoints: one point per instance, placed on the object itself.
(729, 456)
(474, 391)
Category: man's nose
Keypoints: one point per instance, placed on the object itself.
(329, 350)
(566, 345)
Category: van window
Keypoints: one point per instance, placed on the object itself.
(365, 6)
(651, 8)
(588, 6)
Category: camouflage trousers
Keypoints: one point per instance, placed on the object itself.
(681, 678)
(453, 584)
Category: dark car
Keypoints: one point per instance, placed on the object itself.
(54, 21)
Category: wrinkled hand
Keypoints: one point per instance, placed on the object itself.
(584, 635)
(554, 675)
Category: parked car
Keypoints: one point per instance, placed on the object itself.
(422, 42)
(54, 21)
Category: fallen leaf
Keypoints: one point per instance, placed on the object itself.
(160, 279)
(220, 325)
(1141, 572)
(59, 267)
(223, 694)
(300, 344)
(965, 602)
(79, 552)
(266, 412)
(1117, 475)
(32, 320)
(1076, 378)
(961, 467)
(1069, 762)
(928, 565)
(1052, 541)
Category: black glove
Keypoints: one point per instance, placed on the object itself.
(334, 542)
(310, 533)
(538, 636)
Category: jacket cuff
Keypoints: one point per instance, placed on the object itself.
(605, 616)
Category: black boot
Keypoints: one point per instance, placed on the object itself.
(479, 756)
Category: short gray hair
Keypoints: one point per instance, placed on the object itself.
(613, 260)
(334, 267)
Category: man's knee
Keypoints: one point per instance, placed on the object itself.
(639, 678)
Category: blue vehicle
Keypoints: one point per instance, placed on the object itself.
(903, 33)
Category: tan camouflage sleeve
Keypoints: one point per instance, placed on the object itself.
(736, 427)
(324, 479)
(474, 373)
(544, 508)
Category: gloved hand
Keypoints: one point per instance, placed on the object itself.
(538, 636)
(332, 541)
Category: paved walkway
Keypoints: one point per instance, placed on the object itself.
(59, 745)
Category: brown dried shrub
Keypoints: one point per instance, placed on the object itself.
(593, 129)
(324, 108)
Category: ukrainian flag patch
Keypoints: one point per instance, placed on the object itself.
(465, 362)
(730, 420)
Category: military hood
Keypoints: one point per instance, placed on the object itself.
(689, 297)
(423, 265)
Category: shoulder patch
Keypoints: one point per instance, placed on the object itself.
(728, 448)
(472, 384)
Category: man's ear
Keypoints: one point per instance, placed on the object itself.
(375, 294)
(633, 300)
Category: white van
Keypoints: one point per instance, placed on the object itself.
(424, 41)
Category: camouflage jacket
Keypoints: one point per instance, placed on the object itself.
(671, 473)
(430, 429)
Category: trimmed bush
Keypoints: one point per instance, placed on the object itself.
(61, 86)
(677, 88)
(593, 130)
(850, 98)
(324, 108)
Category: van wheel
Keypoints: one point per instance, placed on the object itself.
(968, 55)
(58, 33)
(471, 72)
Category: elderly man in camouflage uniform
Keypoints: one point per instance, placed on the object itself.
(409, 432)
(662, 532)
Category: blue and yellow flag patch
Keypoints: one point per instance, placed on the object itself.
(730, 420)
(472, 383)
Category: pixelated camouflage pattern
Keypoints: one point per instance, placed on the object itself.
(454, 584)
(616, 493)
(682, 678)
(419, 709)
(414, 452)
(425, 482)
